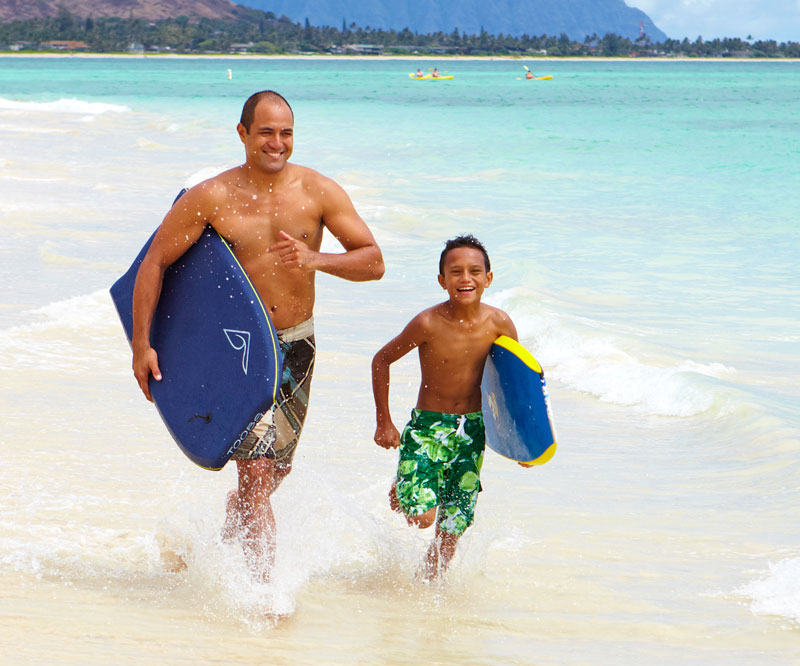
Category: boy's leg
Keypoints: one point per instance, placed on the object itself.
(422, 520)
(459, 495)
(439, 554)
(415, 490)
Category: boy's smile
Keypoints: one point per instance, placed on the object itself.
(464, 275)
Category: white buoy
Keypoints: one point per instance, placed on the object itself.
(230, 75)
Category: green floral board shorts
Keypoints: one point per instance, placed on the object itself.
(440, 464)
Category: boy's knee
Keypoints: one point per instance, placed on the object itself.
(423, 520)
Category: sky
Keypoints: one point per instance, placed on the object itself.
(763, 19)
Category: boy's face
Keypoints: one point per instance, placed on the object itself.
(465, 275)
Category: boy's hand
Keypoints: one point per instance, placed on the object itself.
(526, 465)
(387, 436)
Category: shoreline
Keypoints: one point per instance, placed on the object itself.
(449, 58)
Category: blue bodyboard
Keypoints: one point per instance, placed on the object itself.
(516, 407)
(218, 352)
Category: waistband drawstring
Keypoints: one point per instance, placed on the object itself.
(460, 431)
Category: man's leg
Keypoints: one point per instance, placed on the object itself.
(249, 512)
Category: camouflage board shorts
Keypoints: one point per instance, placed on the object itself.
(276, 434)
(440, 464)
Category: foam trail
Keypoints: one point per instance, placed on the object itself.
(63, 105)
(778, 593)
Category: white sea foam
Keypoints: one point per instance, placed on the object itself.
(777, 593)
(69, 105)
(613, 365)
(66, 334)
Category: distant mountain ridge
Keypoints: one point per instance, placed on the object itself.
(145, 9)
(576, 18)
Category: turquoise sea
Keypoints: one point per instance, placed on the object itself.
(643, 220)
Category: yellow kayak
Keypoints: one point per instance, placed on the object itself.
(430, 76)
(541, 78)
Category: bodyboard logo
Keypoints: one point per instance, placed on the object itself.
(240, 341)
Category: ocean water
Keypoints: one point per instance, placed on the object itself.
(642, 220)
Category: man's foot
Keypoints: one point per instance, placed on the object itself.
(172, 556)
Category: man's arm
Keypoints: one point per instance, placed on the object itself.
(362, 259)
(386, 434)
(181, 227)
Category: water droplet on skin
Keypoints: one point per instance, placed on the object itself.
(255, 196)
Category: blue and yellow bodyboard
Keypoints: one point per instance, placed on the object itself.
(516, 406)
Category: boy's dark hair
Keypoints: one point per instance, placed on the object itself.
(249, 108)
(466, 240)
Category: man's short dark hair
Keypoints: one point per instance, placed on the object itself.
(249, 108)
(466, 240)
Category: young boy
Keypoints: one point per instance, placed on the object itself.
(441, 448)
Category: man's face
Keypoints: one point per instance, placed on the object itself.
(269, 143)
(465, 275)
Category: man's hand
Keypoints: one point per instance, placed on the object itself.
(387, 436)
(144, 363)
(294, 253)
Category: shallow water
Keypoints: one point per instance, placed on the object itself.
(642, 223)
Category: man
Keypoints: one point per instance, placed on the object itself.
(272, 213)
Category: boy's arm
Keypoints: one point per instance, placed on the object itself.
(506, 326)
(386, 434)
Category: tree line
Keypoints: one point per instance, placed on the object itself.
(256, 31)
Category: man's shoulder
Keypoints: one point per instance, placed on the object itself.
(217, 187)
(309, 178)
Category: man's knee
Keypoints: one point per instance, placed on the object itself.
(261, 477)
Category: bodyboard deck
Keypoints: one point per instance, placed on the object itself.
(218, 351)
(516, 406)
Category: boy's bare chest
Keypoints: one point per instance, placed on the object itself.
(458, 345)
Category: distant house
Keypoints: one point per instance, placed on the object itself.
(19, 46)
(367, 49)
(64, 45)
